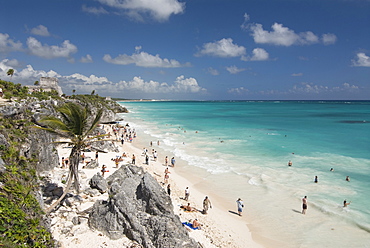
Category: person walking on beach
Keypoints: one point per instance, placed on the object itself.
(96, 156)
(240, 206)
(166, 161)
(304, 205)
(133, 159)
(187, 193)
(173, 161)
(155, 155)
(206, 204)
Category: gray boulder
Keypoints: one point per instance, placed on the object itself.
(140, 209)
(98, 182)
(91, 165)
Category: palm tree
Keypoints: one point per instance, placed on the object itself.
(10, 72)
(75, 127)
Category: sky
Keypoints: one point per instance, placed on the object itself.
(191, 49)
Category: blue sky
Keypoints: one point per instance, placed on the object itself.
(191, 49)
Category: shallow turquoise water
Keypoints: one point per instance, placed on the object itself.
(255, 140)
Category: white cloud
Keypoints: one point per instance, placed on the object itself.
(297, 74)
(159, 10)
(283, 36)
(329, 39)
(259, 54)
(213, 71)
(136, 85)
(238, 91)
(11, 63)
(310, 88)
(361, 60)
(246, 20)
(26, 75)
(94, 10)
(40, 30)
(84, 84)
(45, 51)
(79, 79)
(143, 59)
(8, 45)
(234, 70)
(86, 59)
(223, 48)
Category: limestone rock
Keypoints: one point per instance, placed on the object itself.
(139, 208)
(98, 182)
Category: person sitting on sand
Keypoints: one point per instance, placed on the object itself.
(187, 208)
(196, 224)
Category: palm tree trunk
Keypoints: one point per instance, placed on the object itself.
(66, 190)
(74, 160)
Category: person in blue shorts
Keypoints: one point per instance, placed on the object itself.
(240, 205)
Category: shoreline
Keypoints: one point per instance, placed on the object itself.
(220, 228)
(229, 228)
(273, 210)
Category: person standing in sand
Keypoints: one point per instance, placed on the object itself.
(166, 177)
(240, 205)
(103, 170)
(187, 193)
(169, 189)
(133, 159)
(206, 204)
(166, 161)
(304, 205)
(173, 161)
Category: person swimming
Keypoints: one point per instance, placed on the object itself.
(345, 203)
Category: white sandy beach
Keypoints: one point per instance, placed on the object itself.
(221, 227)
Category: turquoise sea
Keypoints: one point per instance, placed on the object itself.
(242, 148)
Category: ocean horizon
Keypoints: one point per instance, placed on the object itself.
(242, 149)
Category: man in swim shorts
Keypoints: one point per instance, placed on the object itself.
(240, 205)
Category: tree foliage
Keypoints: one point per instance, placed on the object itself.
(75, 126)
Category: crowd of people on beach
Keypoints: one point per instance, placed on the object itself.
(122, 134)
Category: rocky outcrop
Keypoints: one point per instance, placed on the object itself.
(98, 182)
(140, 209)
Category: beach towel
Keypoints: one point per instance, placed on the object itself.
(190, 225)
